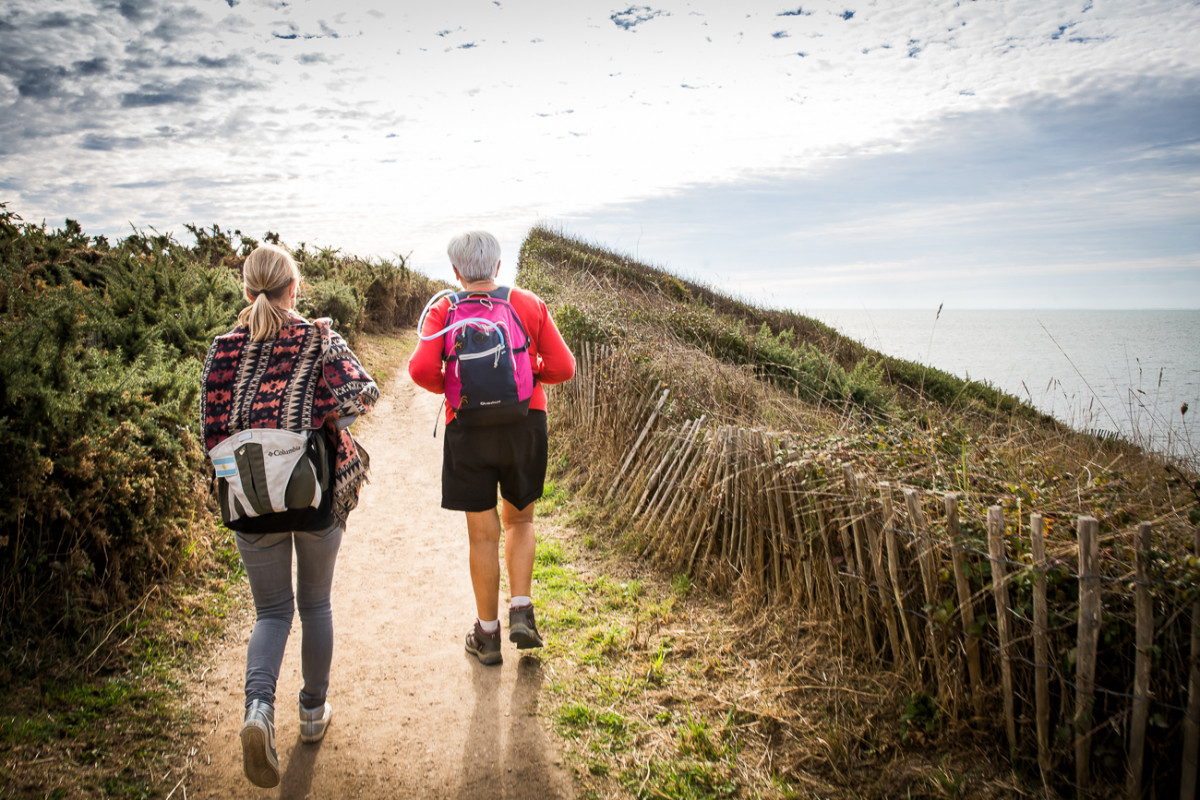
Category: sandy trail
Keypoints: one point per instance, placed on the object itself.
(413, 714)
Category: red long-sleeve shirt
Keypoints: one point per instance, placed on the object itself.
(551, 359)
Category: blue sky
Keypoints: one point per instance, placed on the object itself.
(977, 153)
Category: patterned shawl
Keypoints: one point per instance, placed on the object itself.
(294, 382)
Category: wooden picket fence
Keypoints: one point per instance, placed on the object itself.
(891, 565)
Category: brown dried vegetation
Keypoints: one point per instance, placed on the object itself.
(714, 440)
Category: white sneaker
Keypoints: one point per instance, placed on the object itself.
(259, 761)
(314, 721)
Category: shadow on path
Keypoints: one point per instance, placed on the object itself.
(523, 767)
(296, 781)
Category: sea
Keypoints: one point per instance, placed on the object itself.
(1134, 373)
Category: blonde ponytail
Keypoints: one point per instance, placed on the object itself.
(267, 275)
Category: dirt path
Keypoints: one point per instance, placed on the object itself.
(414, 715)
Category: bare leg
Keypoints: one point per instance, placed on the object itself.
(519, 547)
(483, 529)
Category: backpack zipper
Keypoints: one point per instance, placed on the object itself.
(495, 351)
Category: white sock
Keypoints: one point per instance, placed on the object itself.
(520, 601)
(489, 626)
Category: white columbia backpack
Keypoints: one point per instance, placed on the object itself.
(271, 480)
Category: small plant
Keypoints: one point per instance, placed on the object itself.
(919, 717)
(554, 496)
(655, 675)
(948, 783)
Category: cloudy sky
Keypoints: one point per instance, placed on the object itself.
(848, 154)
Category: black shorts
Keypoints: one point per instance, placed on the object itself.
(475, 460)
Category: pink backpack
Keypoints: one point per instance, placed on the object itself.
(488, 375)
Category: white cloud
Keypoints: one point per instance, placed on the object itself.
(372, 132)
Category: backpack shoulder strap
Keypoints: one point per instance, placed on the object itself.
(516, 315)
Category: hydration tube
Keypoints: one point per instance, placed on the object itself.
(478, 321)
(462, 323)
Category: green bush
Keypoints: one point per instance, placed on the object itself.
(361, 295)
(101, 348)
(340, 302)
(797, 367)
(576, 325)
(99, 377)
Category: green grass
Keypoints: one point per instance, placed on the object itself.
(606, 730)
(682, 780)
(107, 734)
(552, 497)
(621, 680)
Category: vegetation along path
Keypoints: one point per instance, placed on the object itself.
(414, 716)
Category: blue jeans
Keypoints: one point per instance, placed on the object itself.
(268, 561)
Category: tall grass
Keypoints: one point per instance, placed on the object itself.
(756, 423)
(738, 364)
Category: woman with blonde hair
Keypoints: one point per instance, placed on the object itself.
(276, 370)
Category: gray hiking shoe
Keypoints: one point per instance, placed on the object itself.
(522, 628)
(484, 646)
(314, 721)
(259, 761)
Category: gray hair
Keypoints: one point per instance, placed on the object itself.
(475, 255)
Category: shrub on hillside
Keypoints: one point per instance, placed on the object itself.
(361, 295)
(826, 365)
(99, 377)
(101, 347)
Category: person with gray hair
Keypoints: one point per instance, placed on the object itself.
(474, 255)
(511, 455)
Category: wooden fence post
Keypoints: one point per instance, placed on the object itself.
(860, 561)
(835, 583)
(666, 484)
(805, 545)
(1087, 531)
(846, 577)
(1191, 719)
(875, 544)
(929, 582)
(782, 545)
(746, 498)
(1141, 676)
(889, 517)
(638, 443)
(759, 487)
(807, 524)
(737, 525)
(676, 488)
(1041, 646)
(719, 523)
(999, 556)
(591, 387)
(729, 496)
(966, 604)
(709, 503)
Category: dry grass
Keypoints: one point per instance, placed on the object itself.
(661, 689)
(792, 443)
(989, 452)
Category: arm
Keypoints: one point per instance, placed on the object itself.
(555, 362)
(353, 389)
(425, 364)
